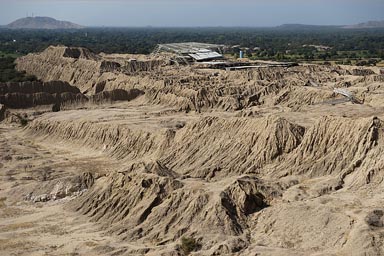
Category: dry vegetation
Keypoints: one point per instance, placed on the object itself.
(154, 159)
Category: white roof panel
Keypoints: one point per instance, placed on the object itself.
(205, 55)
(191, 47)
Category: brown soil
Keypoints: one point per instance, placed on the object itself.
(256, 162)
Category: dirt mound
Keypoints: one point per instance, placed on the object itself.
(336, 146)
(266, 160)
(79, 53)
(147, 203)
(147, 200)
(109, 66)
(302, 228)
(21, 100)
(296, 97)
(259, 87)
(191, 182)
(118, 141)
(34, 87)
(196, 149)
(191, 89)
(142, 66)
(32, 94)
(215, 146)
(116, 95)
(58, 63)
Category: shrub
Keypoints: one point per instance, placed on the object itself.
(56, 107)
(188, 244)
(23, 121)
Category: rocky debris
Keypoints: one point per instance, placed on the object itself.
(59, 189)
(40, 198)
(52, 197)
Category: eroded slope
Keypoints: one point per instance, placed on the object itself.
(263, 161)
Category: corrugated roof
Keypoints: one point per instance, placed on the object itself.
(205, 55)
(191, 47)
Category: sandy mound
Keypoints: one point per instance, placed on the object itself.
(146, 202)
(336, 146)
(190, 182)
(116, 95)
(196, 89)
(215, 146)
(32, 94)
(78, 53)
(268, 161)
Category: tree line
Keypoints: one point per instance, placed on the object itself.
(280, 43)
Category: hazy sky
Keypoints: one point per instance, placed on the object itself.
(196, 12)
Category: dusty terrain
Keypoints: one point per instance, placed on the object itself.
(267, 161)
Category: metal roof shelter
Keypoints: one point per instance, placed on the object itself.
(200, 56)
(196, 51)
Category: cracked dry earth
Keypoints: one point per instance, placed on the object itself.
(246, 163)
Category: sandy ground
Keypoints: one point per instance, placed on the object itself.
(28, 228)
(50, 228)
(257, 162)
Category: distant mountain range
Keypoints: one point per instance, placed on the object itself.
(304, 26)
(51, 23)
(42, 23)
(369, 24)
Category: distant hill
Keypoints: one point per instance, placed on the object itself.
(369, 24)
(303, 26)
(42, 23)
